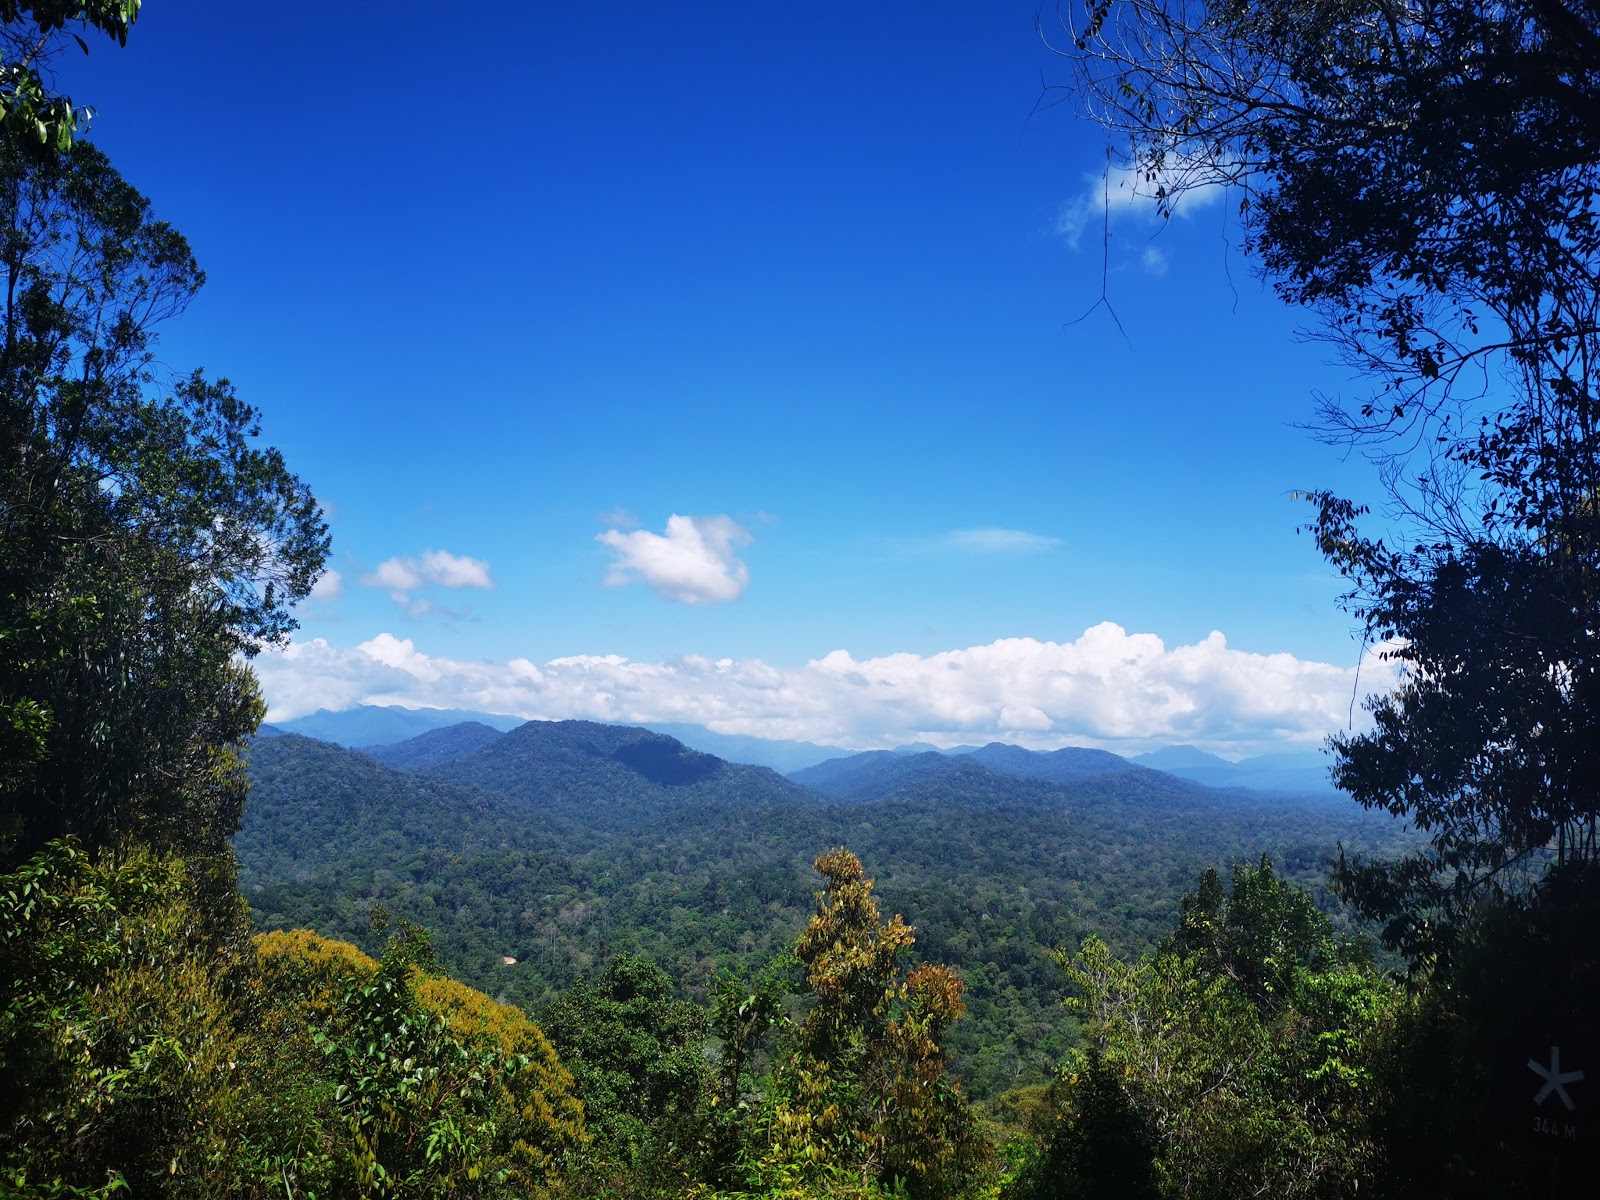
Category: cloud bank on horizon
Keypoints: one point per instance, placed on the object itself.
(1109, 688)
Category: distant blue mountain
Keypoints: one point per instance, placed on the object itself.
(1054, 766)
(926, 748)
(377, 725)
(781, 756)
(1304, 772)
(873, 772)
(1180, 758)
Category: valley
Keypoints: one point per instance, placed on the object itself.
(560, 844)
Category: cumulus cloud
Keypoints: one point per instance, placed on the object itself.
(437, 567)
(401, 576)
(1124, 691)
(329, 586)
(1124, 195)
(694, 562)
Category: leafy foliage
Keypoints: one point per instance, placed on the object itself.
(1423, 179)
(863, 1087)
(1241, 1053)
(32, 117)
(135, 1053)
(636, 1054)
(120, 1065)
(148, 542)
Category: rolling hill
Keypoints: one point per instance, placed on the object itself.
(561, 842)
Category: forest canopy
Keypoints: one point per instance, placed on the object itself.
(1421, 180)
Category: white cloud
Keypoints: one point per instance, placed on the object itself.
(397, 574)
(438, 567)
(626, 518)
(1154, 260)
(1123, 194)
(329, 586)
(694, 562)
(455, 570)
(401, 576)
(996, 541)
(1124, 691)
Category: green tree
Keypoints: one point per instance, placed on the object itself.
(637, 1057)
(1421, 179)
(437, 1090)
(1464, 1117)
(1242, 1054)
(148, 542)
(120, 1058)
(863, 1088)
(1094, 1143)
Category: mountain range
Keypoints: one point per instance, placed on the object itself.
(372, 727)
(557, 843)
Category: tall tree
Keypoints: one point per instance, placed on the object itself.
(864, 1087)
(637, 1057)
(148, 543)
(1423, 179)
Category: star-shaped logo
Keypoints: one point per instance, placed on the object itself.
(1555, 1079)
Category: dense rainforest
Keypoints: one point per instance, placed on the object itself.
(577, 960)
(713, 870)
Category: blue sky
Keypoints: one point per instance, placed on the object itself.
(514, 294)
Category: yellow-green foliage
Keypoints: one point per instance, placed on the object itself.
(542, 1090)
(864, 1092)
(308, 957)
(119, 1056)
(138, 1052)
(471, 1014)
(433, 1087)
(304, 975)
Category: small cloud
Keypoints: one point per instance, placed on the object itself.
(437, 567)
(329, 586)
(397, 574)
(625, 518)
(456, 570)
(413, 607)
(991, 540)
(400, 576)
(694, 562)
(1154, 260)
(999, 541)
(1126, 193)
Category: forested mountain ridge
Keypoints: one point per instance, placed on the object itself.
(1068, 763)
(434, 747)
(610, 777)
(995, 871)
(313, 802)
(876, 774)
